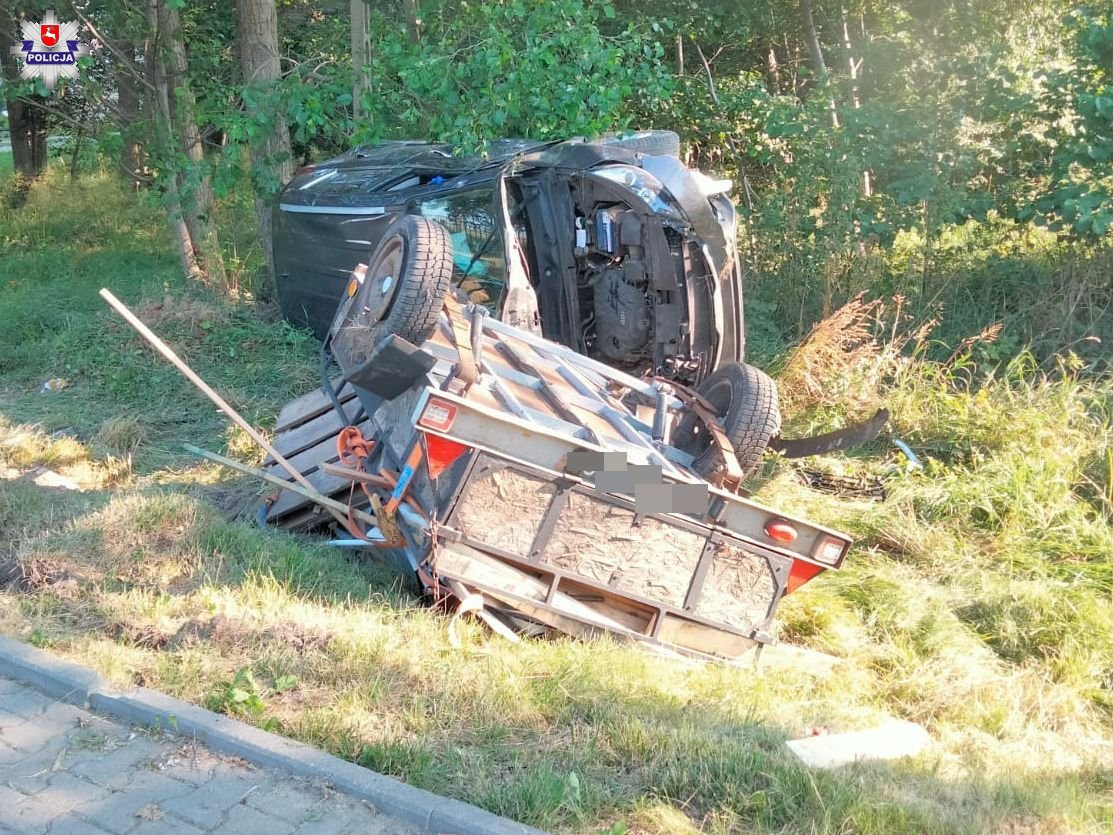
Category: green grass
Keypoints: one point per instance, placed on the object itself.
(977, 602)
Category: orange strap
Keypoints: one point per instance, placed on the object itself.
(354, 450)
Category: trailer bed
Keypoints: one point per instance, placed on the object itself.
(501, 501)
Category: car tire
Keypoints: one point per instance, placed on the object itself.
(663, 143)
(745, 400)
(408, 277)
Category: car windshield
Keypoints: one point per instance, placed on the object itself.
(478, 254)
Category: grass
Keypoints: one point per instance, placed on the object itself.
(977, 601)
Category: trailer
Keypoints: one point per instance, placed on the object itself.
(506, 469)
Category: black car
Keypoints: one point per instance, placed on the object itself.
(612, 247)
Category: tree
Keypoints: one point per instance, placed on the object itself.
(270, 137)
(811, 38)
(128, 107)
(27, 123)
(361, 54)
(187, 160)
(164, 144)
(480, 71)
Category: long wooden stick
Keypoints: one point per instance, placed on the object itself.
(220, 402)
(309, 493)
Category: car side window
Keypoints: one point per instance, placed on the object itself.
(478, 260)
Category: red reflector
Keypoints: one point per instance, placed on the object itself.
(800, 573)
(780, 531)
(438, 415)
(305, 169)
(440, 453)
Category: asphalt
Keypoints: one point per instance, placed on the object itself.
(77, 756)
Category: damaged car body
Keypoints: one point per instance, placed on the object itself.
(613, 247)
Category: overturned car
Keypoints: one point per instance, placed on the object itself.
(631, 255)
(611, 247)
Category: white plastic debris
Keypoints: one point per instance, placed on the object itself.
(892, 740)
(43, 477)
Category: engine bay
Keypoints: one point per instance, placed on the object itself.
(633, 267)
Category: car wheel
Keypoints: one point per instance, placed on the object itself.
(407, 280)
(745, 400)
(664, 143)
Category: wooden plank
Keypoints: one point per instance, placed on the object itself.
(341, 511)
(567, 625)
(302, 519)
(309, 406)
(582, 610)
(312, 433)
(311, 459)
(322, 482)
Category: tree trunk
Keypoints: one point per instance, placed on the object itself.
(270, 150)
(164, 133)
(127, 94)
(26, 122)
(811, 39)
(413, 20)
(815, 52)
(196, 187)
(855, 66)
(774, 71)
(361, 54)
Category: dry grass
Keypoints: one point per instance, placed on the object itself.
(24, 447)
(121, 435)
(817, 371)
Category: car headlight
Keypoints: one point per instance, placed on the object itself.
(643, 184)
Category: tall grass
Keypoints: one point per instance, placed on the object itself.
(1048, 294)
(1003, 540)
(72, 238)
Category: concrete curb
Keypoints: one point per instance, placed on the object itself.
(77, 685)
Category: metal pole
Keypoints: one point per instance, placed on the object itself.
(220, 402)
(311, 494)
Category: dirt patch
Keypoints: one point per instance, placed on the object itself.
(298, 639)
(11, 574)
(138, 635)
(219, 631)
(199, 315)
(41, 574)
(238, 499)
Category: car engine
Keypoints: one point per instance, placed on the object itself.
(614, 284)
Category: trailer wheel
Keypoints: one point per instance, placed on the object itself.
(407, 280)
(745, 399)
(665, 143)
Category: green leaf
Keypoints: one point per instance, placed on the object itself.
(284, 683)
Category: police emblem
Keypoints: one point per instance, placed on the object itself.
(50, 50)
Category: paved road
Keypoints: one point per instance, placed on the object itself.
(65, 770)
